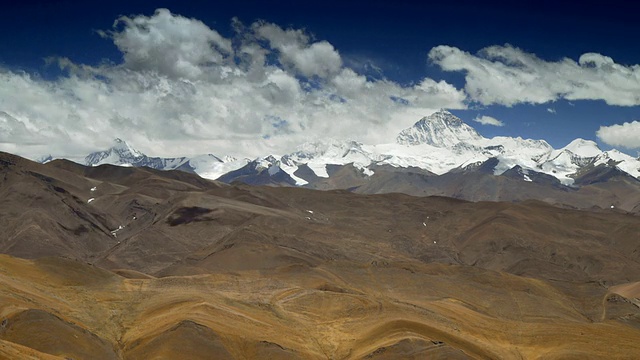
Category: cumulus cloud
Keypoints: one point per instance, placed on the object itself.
(181, 88)
(507, 75)
(296, 51)
(488, 120)
(626, 135)
(169, 44)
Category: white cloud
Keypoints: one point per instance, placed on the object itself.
(507, 75)
(184, 89)
(488, 120)
(626, 135)
(170, 44)
(12, 129)
(551, 110)
(320, 58)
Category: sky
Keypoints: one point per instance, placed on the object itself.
(249, 78)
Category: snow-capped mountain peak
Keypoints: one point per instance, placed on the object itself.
(565, 162)
(440, 129)
(123, 148)
(267, 162)
(120, 153)
(583, 148)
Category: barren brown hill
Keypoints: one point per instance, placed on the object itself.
(168, 265)
(601, 187)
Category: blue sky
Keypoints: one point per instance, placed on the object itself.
(433, 55)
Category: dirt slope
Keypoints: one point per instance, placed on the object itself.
(168, 265)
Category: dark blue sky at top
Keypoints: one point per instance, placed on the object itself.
(395, 36)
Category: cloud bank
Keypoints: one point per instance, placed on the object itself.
(506, 75)
(182, 88)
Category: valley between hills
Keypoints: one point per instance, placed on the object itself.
(115, 262)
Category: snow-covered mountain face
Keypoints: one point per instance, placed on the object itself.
(317, 155)
(122, 154)
(440, 129)
(119, 154)
(582, 154)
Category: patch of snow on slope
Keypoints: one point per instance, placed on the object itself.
(560, 166)
(367, 171)
(320, 169)
(291, 169)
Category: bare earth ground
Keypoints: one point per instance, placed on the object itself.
(204, 270)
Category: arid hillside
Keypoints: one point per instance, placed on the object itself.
(133, 263)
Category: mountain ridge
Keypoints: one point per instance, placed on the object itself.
(441, 143)
(438, 143)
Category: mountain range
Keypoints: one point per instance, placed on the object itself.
(438, 155)
(123, 154)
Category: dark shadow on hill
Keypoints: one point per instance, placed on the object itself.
(188, 215)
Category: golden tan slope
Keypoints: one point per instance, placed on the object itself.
(337, 310)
